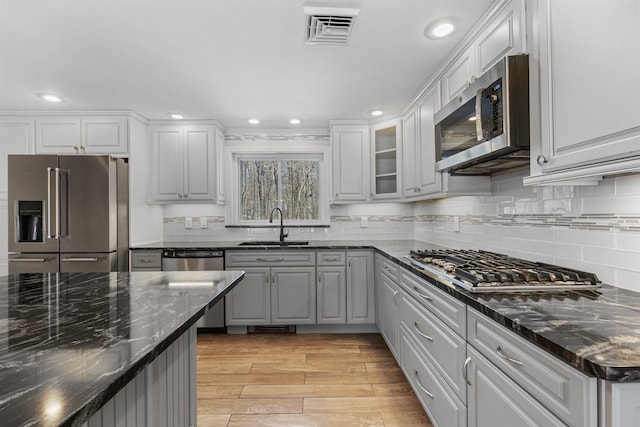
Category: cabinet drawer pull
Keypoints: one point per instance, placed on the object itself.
(505, 357)
(333, 259)
(419, 332)
(427, 297)
(270, 259)
(395, 294)
(420, 385)
(145, 261)
(27, 260)
(465, 373)
(79, 259)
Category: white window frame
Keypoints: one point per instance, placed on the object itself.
(275, 150)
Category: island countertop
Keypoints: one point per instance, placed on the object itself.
(70, 342)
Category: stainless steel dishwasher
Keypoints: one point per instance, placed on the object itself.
(198, 260)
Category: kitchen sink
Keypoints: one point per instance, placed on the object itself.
(273, 243)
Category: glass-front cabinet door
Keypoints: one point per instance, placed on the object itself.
(386, 160)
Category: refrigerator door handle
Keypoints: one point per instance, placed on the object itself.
(58, 222)
(50, 211)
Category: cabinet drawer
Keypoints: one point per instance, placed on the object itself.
(391, 270)
(269, 258)
(448, 309)
(442, 406)
(567, 392)
(446, 350)
(331, 258)
(146, 259)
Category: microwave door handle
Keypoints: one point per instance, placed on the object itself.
(479, 128)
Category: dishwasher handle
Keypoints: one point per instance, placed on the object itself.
(192, 254)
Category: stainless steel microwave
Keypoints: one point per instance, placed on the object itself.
(485, 129)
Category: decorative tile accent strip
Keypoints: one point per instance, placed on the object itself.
(377, 218)
(586, 222)
(180, 219)
(272, 137)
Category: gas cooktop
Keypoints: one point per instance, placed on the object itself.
(483, 271)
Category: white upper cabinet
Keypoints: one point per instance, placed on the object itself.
(503, 35)
(385, 164)
(350, 148)
(459, 75)
(586, 91)
(183, 167)
(82, 135)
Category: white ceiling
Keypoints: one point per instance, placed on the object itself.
(220, 59)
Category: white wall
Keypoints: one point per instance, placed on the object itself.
(145, 220)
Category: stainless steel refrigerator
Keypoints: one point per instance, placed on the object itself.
(68, 214)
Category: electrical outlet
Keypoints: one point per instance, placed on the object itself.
(456, 224)
(203, 222)
(188, 222)
(364, 221)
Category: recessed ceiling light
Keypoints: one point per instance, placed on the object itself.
(254, 121)
(175, 116)
(49, 97)
(295, 121)
(440, 28)
(376, 113)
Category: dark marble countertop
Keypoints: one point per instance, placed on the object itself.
(598, 332)
(70, 342)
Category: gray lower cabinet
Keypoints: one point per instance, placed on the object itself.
(388, 294)
(279, 288)
(331, 287)
(249, 302)
(360, 288)
(467, 369)
(495, 400)
(331, 295)
(441, 404)
(293, 296)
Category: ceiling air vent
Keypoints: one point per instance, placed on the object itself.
(329, 25)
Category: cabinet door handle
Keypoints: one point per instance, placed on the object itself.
(180, 196)
(186, 195)
(541, 160)
(419, 332)
(427, 392)
(465, 373)
(270, 259)
(319, 278)
(336, 195)
(427, 297)
(505, 357)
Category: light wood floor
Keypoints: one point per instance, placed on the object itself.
(302, 380)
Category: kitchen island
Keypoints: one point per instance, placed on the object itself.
(84, 348)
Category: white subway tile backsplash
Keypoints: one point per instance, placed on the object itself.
(621, 205)
(627, 185)
(592, 228)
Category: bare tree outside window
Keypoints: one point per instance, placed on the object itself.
(293, 185)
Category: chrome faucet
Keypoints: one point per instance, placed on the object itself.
(282, 233)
